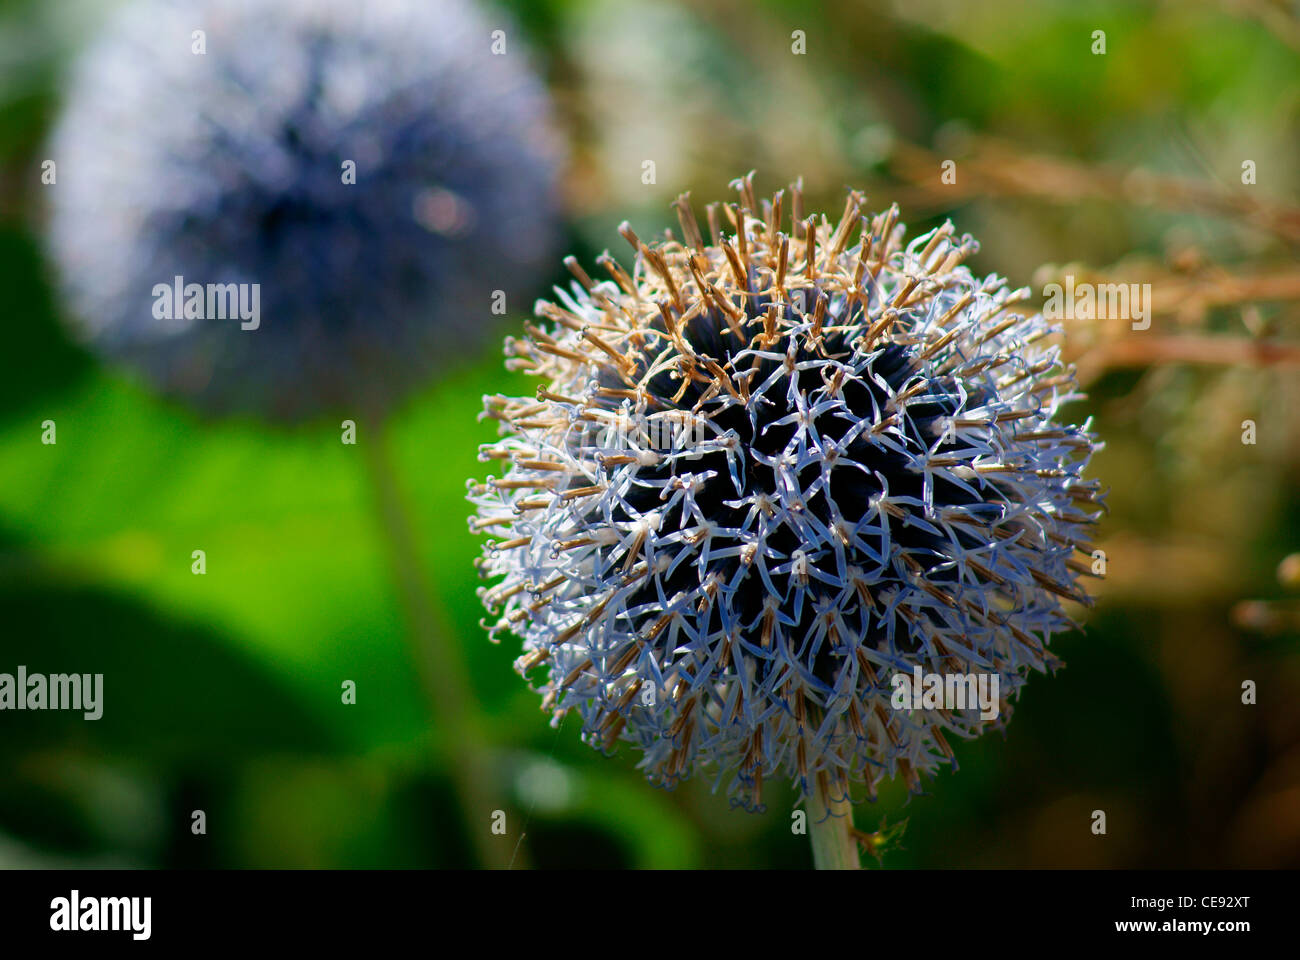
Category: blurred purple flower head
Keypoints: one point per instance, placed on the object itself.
(765, 475)
(368, 174)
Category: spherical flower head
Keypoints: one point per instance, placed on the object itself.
(348, 187)
(766, 476)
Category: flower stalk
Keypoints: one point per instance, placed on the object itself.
(443, 674)
(830, 828)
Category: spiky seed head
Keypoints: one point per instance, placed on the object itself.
(375, 169)
(764, 475)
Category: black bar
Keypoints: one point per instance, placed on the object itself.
(738, 911)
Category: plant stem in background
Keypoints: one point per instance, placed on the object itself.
(443, 674)
(830, 827)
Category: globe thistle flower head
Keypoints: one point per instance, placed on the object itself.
(765, 475)
(373, 171)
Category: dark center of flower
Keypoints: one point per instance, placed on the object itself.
(863, 470)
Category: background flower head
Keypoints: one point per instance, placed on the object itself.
(375, 169)
(767, 473)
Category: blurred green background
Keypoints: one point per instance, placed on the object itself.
(222, 692)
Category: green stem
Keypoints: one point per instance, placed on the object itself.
(830, 828)
(443, 674)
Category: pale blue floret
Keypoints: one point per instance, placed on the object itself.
(870, 506)
(232, 166)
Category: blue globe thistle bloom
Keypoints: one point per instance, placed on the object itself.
(764, 476)
(368, 174)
